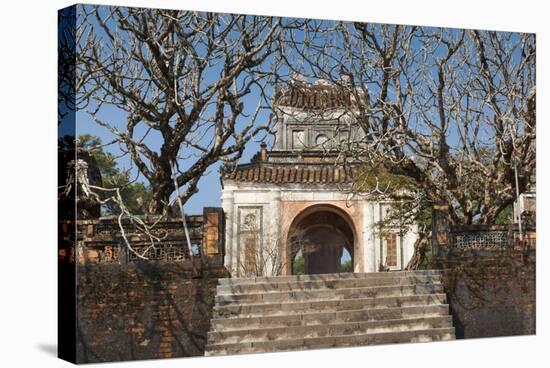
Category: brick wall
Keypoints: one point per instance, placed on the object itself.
(489, 276)
(144, 310)
(491, 293)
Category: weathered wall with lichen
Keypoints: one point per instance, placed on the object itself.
(144, 310)
(491, 293)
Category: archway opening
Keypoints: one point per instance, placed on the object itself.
(321, 242)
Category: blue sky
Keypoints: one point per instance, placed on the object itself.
(209, 194)
(209, 186)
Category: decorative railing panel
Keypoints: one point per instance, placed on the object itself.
(489, 237)
(101, 241)
(166, 251)
(480, 239)
(446, 237)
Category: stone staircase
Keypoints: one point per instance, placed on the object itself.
(268, 314)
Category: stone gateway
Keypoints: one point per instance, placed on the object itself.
(293, 201)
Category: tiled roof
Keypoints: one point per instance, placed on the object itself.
(318, 174)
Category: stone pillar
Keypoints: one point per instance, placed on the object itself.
(441, 230)
(275, 228)
(213, 228)
(376, 240)
(228, 204)
(369, 252)
(263, 151)
(280, 135)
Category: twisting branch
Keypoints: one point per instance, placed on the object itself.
(183, 77)
(446, 108)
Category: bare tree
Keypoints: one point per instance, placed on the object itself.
(446, 115)
(69, 35)
(453, 110)
(181, 78)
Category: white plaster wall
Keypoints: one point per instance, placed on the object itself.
(370, 249)
(405, 243)
(233, 197)
(408, 244)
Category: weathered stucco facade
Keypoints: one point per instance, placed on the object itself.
(297, 195)
(280, 206)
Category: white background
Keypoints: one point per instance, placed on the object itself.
(28, 181)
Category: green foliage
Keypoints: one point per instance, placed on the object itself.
(505, 217)
(376, 177)
(347, 266)
(427, 260)
(410, 207)
(135, 195)
(424, 216)
(298, 265)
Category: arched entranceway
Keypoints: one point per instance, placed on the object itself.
(321, 240)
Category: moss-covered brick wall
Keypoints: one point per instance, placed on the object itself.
(491, 293)
(144, 310)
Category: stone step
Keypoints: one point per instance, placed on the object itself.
(324, 277)
(264, 314)
(294, 285)
(297, 307)
(329, 294)
(328, 329)
(433, 334)
(328, 318)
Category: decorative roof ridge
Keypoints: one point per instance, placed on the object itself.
(291, 173)
(293, 163)
(320, 94)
